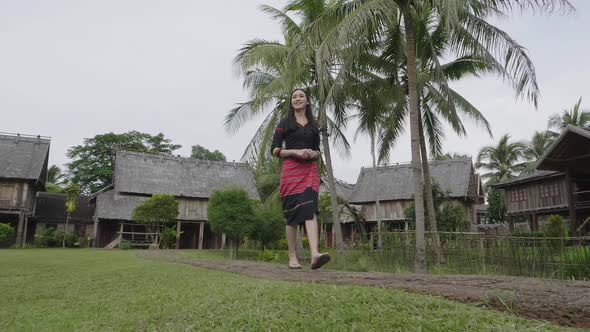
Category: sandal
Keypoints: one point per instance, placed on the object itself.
(322, 260)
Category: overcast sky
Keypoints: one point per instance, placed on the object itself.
(72, 69)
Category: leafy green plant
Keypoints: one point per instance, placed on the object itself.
(556, 227)
(6, 232)
(268, 256)
(125, 245)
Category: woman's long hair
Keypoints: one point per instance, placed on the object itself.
(291, 121)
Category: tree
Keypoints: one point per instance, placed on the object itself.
(501, 161)
(232, 212)
(496, 213)
(200, 152)
(451, 217)
(576, 116)
(272, 70)
(535, 149)
(154, 213)
(72, 195)
(56, 179)
(269, 225)
(92, 162)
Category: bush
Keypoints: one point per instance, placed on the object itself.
(268, 256)
(52, 238)
(168, 238)
(556, 227)
(125, 245)
(6, 232)
(281, 244)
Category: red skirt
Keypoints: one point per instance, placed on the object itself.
(299, 188)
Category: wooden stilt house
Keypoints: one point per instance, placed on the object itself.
(138, 175)
(23, 172)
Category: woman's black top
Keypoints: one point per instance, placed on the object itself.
(295, 137)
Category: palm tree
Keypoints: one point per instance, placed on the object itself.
(502, 161)
(272, 70)
(535, 149)
(575, 116)
(468, 33)
(55, 180)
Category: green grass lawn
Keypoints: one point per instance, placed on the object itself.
(84, 289)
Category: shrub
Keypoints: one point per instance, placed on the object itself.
(281, 244)
(6, 232)
(52, 238)
(556, 227)
(125, 245)
(268, 256)
(168, 238)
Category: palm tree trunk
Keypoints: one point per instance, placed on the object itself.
(439, 258)
(377, 205)
(63, 242)
(420, 258)
(336, 229)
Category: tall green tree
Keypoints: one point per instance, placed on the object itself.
(535, 149)
(56, 179)
(272, 70)
(72, 194)
(92, 163)
(501, 161)
(468, 32)
(232, 212)
(200, 152)
(576, 116)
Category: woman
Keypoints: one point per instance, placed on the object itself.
(300, 180)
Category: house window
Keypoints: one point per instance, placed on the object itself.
(518, 195)
(549, 190)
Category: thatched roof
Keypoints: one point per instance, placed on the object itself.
(24, 157)
(396, 182)
(52, 207)
(569, 153)
(147, 173)
(343, 189)
(530, 177)
(110, 205)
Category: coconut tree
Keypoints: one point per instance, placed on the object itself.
(72, 194)
(469, 33)
(56, 179)
(576, 116)
(272, 70)
(535, 149)
(501, 161)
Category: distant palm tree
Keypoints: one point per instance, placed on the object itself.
(502, 161)
(56, 179)
(536, 148)
(575, 116)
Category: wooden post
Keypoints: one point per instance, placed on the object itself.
(26, 226)
(510, 224)
(201, 233)
(571, 204)
(95, 232)
(19, 228)
(178, 226)
(223, 240)
(535, 222)
(482, 253)
(121, 234)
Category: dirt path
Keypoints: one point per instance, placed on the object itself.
(563, 302)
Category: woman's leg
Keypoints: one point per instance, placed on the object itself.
(291, 238)
(313, 235)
